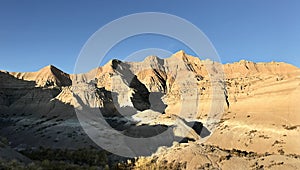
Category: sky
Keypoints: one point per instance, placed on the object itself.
(36, 33)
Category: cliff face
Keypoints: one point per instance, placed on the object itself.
(182, 85)
(184, 80)
(180, 79)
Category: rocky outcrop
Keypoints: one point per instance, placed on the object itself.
(48, 76)
(179, 86)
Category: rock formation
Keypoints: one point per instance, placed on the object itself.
(253, 106)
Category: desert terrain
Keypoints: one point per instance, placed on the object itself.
(241, 115)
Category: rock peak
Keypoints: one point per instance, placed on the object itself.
(50, 68)
(244, 61)
(180, 53)
(50, 75)
(152, 58)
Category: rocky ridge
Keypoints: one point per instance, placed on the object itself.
(257, 102)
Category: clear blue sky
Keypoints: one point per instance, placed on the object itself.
(36, 33)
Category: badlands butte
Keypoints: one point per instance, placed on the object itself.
(242, 115)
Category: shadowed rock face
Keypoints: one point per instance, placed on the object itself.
(34, 111)
(40, 104)
(140, 95)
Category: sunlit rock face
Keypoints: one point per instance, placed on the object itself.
(256, 103)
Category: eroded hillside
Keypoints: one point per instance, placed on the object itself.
(246, 106)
